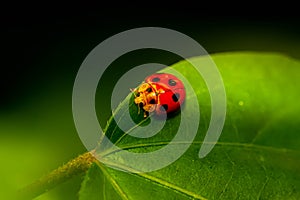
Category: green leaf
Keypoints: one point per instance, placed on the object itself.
(256, 157)
(97, 186)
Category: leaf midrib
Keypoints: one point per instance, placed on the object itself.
(228, 144)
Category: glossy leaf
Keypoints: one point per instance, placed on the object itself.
(256, 157)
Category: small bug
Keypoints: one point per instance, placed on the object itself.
(160, 93)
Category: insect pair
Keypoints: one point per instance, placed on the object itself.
(160, 93)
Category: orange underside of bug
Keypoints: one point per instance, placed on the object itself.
(146, 97)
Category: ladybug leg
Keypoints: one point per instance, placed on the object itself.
(139, 110)
(146, 114)
(160, 91)
(152, 108)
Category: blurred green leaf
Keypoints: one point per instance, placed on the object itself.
(256, 157)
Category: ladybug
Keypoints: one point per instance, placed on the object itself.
(160, 93)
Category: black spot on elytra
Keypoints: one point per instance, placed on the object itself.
(164, 107)
(152, 101)
(172, 82)
(156, 79)
(138, 94)
(149, 90)
(175, 97)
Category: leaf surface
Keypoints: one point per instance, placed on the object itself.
(256, 157)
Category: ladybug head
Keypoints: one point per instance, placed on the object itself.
(145, 98)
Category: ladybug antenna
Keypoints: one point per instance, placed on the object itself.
(133, 91)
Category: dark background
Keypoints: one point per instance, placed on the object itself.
(47, 44)
(43, 46)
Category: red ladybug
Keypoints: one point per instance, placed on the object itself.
(160, 93)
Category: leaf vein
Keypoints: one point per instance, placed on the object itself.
(158, 181)
(113, 182)
(164, 183)
(231, 176)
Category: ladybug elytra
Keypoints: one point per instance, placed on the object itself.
(160, 93)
